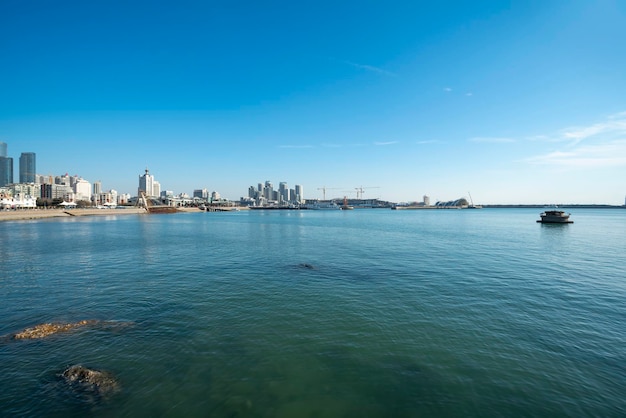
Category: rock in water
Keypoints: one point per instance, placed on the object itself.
(44, 330)
(90, 382)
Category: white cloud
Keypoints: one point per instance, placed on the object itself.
(295, 146)
(619, 115)
(609, 154)
(492, 140)
(371, 68)
(428, 141)
(447, 89)
(386, 143)
(538, 138)
(601, 144)
(468, 94)
(614, 126)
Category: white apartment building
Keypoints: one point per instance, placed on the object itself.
(149, 185)
(82, 188)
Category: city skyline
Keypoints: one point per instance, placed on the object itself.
(515, 103)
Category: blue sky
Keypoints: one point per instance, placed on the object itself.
(513, 101)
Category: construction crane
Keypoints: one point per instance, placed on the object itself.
(361, 190)
(324, 188)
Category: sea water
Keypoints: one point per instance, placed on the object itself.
(371, 313)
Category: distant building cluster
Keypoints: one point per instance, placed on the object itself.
(51, 190)
(151, 189)
(264, 195)
(27, 167)
(34, 190)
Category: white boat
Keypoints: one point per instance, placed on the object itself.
(329, 205)
(555, 217)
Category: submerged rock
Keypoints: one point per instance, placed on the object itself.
(44, 330)
(306, 266)
(90, 382)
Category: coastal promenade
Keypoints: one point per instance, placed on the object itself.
(30, 214)
(25, 214)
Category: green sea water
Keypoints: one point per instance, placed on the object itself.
(372, 313)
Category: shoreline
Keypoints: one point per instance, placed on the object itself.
(35, 214)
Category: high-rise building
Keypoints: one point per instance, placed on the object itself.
(299, 193)
(201, 193)
(146, 184)
(6, 166)
(156, 188)
(82, 188)
(27, 167)
(268, 190)
(283, 192)
(6, 171)
(97, 187)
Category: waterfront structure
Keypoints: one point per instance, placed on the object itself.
(18, 201)
(27, 167)
(97, 187)
(454, 204)
(3, 149)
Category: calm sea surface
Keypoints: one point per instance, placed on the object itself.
(363, 313)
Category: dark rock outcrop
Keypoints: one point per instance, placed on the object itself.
(90, 382)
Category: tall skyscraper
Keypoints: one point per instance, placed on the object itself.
(6, 171)
(6, 166)
(283, 192)
(268, 190)
(27, 167)
(299, 193)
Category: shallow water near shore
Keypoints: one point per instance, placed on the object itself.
(319, 313)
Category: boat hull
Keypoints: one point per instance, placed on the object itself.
(554, 217)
